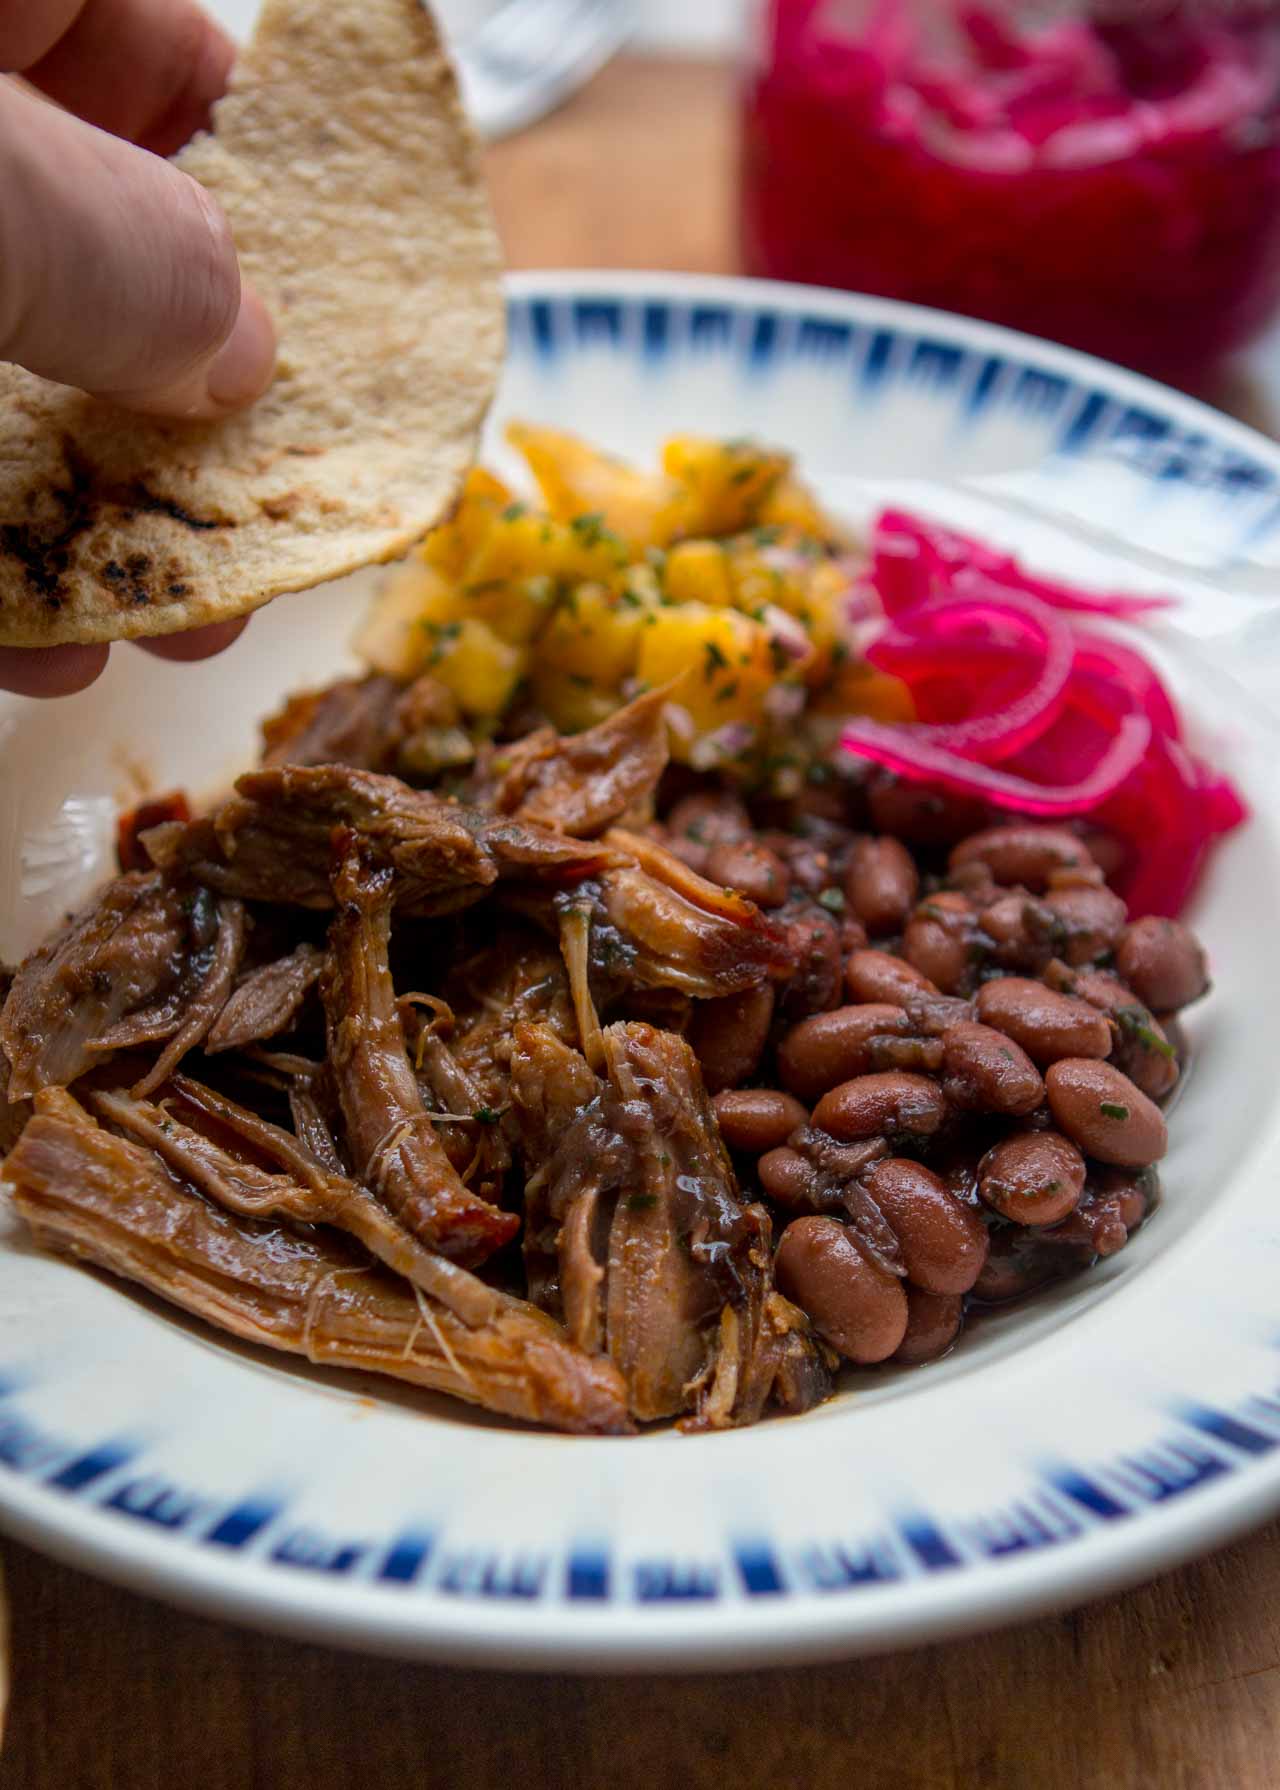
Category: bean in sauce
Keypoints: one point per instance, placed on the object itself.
(1034, 1177)
(1046, 1024)
(754, 1120)
(1164, 964)
(1109, 1117)
(828, 1048)
(934, 1321)
(894, 1104)
(852, 1302)
(943, 1242)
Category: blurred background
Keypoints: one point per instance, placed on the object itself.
(1104, 173)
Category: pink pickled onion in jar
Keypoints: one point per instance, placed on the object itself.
(1108, 179)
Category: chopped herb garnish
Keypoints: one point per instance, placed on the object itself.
(591, 531)
(581, 679)
(768, 536)
(487, 1115)
(642, 1202)
(1137, 1022)
(741, 476)
(832, 900)
(1111, 1109)
(514, 511)
(484, 586)
(728, 691)
(839, 652)
(630, 598)
(778, 653)
(716, 660)
(819, 774)
(1053, 1187)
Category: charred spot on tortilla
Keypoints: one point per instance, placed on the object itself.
(389, 311)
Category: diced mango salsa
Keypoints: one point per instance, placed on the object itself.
(482, 671)
(720, 664)
(717, 575)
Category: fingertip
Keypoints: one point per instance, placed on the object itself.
(238, 374)
(195, 643)
(46, 671)
(245, 365)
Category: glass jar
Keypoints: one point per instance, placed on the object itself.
(1107, 177)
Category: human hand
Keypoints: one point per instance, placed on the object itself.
(118, 273)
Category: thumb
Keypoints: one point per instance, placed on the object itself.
(118, 273)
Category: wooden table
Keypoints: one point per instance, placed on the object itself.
(1176, 1685)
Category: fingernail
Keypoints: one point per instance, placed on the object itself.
(242, 368)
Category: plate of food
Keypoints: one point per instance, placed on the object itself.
(681, 1076)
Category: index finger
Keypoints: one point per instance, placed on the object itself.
(146, 70)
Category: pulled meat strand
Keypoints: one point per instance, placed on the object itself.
(208, 1000)
(393, 1143)
(120, 973)
(634, 1228)
(267, 1001)
(271, 842)
(112, 1202)
(581, 783)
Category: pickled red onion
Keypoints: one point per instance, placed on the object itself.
(915, 559)
(1034, 714)
(894, 748)
(1047, 648)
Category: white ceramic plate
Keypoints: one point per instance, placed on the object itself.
(1117, 1425)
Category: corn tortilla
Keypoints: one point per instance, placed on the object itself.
(352, 183)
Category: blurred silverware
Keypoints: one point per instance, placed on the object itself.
(527, 56)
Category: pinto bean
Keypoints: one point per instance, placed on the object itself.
(890, 1104)
(1018, 1262)
(813, 1173)
(881, 883)
(1034, 1177)
(1105, 1113)
(1140, 1048)
(876, 976)
(728, 1035)
(752, 869)
(814, 937)
(921, 812)
(922, 1056)
(1024, 933)
(709, 818)
(855, 1305)
(1046, 1024)
(754, 1120)
(1092, 921)
(1023, 854)
(940, 941)
(1115, 1204)
(943, 1242)
(934, 1321)
(828, 1048)
(790, 1179)
(986, 1072)
(1164, 963)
